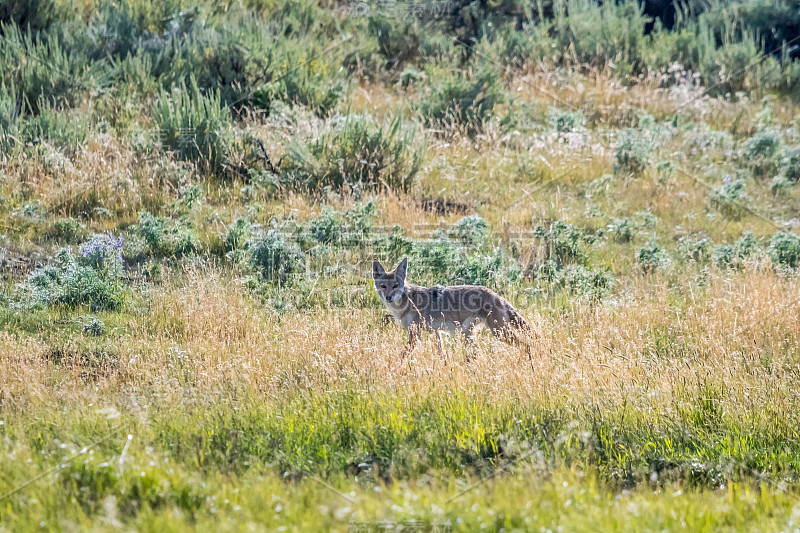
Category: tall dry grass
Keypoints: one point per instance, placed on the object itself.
(657, 346)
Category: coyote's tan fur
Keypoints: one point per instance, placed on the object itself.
(457, 308)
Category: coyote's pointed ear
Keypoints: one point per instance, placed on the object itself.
(377, 269)
(400, 271)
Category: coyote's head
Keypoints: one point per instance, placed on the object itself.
(389, 285)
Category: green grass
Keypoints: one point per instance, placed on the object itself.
(205, 465)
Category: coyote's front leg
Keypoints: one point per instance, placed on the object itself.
(413, 337)
(440, 346)
(468, 330)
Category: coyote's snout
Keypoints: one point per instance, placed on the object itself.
(458, 308)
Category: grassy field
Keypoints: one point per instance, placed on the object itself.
(192, 195)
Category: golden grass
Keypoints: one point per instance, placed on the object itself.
(27, 379)
(657, 347)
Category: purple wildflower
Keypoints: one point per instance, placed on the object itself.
(101, 249)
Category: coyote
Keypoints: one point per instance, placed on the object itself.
(456, 308)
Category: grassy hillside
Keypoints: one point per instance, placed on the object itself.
(191, 197)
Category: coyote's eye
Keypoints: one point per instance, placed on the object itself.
(395, 286)
(383, 286)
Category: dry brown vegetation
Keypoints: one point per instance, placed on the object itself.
(654, 347)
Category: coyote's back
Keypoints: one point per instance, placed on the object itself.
(460, 308)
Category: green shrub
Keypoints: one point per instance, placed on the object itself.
(622, 229)
(645, 219)
(772, 22)
(398, 40)
(63, 128)
(762, 152)
(462, 100)
(634, 152)
(600, 186)
(434, 260)
(359, 218)
(132, 77)
(45, 69)
(359, 152)
(196, 127)
(321, 96)
(602, 34)
(695, 248)
(566, 121)
(152, 271)
(396, 244)
(299, 70)
(440, 259)
(238, 235)
(67, 230)
(327, 227)
(10, 117)
(519, 116)
(117, 28)
(564, 242)
(594, 284)
(731, 198)
(490, 270)
(93, 326)
(37, 15)
(740, 66)
(274, 257)
(411, 76)
(784, 249)
(333, 227)
(781, 185)
(167, 237)
(438, 47)
(734, 255)
(791, 165)
(33, 211)
(191, 196)
(651, 257)
(70, 283)
(153, 229)
(717, 45)
(229, 57)
(471, 230)
(522, 49)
